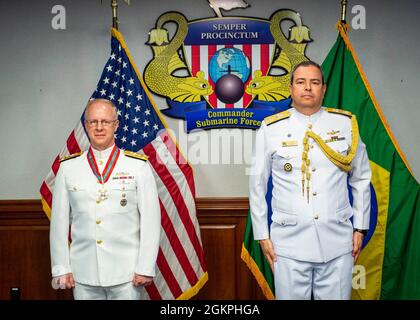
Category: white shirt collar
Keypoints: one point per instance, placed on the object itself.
(103, 154)
(307, 119)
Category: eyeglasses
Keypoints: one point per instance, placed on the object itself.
(95, 123)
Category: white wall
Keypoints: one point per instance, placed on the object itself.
(46, 76)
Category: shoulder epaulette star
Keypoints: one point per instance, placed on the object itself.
(72, 156)
(136, 155)
(277, 117)
(340, 111)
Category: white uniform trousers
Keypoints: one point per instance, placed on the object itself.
(297, 280)
(125, 291)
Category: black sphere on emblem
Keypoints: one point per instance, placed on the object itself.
(229, 88)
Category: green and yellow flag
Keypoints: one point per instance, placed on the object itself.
(391, 257)
(388, 267)
(254, 258)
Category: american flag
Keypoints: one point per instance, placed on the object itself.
(181, 266)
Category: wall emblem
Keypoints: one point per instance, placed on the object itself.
(225, 71)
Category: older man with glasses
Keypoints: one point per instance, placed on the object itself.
(110, 199)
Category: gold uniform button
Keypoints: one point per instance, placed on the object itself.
(98, 241)
(101, 162)
(313, 169)
(316, 217)
(312, 146)
(98, 221)
(314, 194)
(309, 126)
(98, 201)
(287, 167)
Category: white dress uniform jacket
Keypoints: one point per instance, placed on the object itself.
(111, 239)
(317, 230)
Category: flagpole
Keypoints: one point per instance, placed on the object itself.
(343, 10)
(114, 6)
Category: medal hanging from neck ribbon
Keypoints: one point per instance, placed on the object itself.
(103, 176)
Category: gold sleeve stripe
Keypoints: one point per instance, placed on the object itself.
(136, 155)
(74, 155)
(277, 117)
(340, 111)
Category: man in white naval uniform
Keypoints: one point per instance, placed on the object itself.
(110, 199)
(310, 152)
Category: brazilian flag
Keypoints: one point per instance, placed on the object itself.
(391, 257)
(388, 267)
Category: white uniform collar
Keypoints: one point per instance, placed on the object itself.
(102, 155)
(304, 119)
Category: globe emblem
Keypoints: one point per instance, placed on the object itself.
(234, 57)
(229, 69)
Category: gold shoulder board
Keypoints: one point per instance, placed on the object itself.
(277, 117)
(74, 155)
(340, 111)
(136, 155)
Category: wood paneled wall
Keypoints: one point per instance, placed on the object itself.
(25, 260)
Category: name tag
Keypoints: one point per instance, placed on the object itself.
(122, 177)
(290, 143)
(334, 138)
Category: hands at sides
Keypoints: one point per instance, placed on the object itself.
(268, 250)
(139, 280)
(65, 281)
(357, 245)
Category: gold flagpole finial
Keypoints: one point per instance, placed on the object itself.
(343, 10)
(114, 6)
